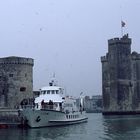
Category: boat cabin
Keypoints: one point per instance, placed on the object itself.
(51, 97)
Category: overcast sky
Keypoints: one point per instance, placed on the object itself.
(66, 37)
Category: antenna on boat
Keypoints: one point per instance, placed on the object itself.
(81, 93)
(54, 75)
(54, 82)
(65, 91)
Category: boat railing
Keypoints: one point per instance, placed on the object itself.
(28, 106)
(49, 107)
(45, 106)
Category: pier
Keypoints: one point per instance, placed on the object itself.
(9, 118)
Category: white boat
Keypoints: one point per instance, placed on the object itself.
(52, 108)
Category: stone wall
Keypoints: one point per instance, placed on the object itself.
(16, 80)
(120, 77)
(8, 116)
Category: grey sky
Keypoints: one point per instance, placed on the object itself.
(66, 37)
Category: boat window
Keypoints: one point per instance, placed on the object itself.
(44, 92)
(67, 116)
(56, 91)
(48, 91)
(53, 91)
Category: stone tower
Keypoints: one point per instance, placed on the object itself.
(16, 80)
(120, 78)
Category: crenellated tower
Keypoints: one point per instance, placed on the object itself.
(120, 77)
(16, 80)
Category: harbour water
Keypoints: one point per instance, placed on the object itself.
(98, 127)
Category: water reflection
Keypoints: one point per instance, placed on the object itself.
(122, 127)
(98, 127)
(74, 132)
(54, 133)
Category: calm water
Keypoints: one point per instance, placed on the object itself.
(98, 127)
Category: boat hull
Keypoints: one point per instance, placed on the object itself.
(44, 118)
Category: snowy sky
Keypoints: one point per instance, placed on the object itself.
(66, 37)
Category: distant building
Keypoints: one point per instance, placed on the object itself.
(94, 104)
(16, 80)
(121, 78)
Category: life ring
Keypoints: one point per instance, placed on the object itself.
(38, 119)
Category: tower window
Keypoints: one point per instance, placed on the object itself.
(11, 75)
(22, 89)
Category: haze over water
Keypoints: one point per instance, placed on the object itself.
(98, 127)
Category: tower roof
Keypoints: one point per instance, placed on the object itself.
(124, 40)
(16, 60)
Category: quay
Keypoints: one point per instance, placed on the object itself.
(9, 118)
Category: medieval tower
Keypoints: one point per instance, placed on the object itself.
(121, 78)
(16, 80)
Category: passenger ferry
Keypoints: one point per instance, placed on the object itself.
(52, 108)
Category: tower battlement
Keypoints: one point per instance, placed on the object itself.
(103, 59)
(124, 40)
(135, 56)
(16, 60)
